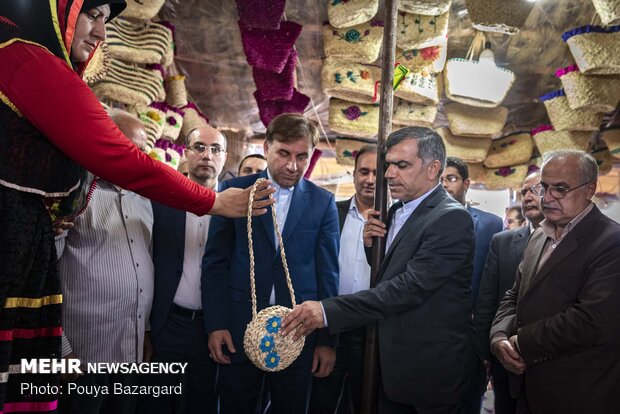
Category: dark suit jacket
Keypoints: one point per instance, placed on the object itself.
(422, 305)
(500, 270)
(485, 226)
(311, 239)
(343, 210)
(567, 319)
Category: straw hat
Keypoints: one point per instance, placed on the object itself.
(143, 9)
(547, 139)
(139, 42)
(176, 92)
(349, 118)
(611, 135)
(431, 59)
(595, 49)
(499, 15)
(350, 81)
(347, 148)
(598, 93)
(505, 177)
(477, 83)
(421, 87)
(564, 118)
(98, 64)
(269, 49)
(416, 31)
(509, 150)
(130, 84)
(360, 43)
(192, 118)
(271, 86)
(427, 7)
(468, 120)
(260, 14)
(345, 13)
(466, 148)
(412, 114)
(608, 11)
(267, 110)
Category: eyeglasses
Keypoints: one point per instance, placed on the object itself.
(200, 149)
(556, 191)
(450, 177)
(525, 190)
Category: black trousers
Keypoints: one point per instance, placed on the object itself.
(504, 403)
(88, 402)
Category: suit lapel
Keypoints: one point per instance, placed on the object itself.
(474, 215)
(177, 232)
(296, 210)
(518, 243)
(266, 220)
(343, 210)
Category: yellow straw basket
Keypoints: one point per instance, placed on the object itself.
(510, 150)
(564, 118)
(347, 148)
(139, 42)
(350, 118)
(608, 10)
(501, 16)
(476, 171)
(595, 49)
(263, 341)
(598, 93)
(130, 84)
(343, 13)
(468, 120)
(505, 177)
(360, 43)
(350, 81)
(415, 31)
(547, 139)
(467, 149)
(426, 7)
(611, 135)
(412, 114)
(420, 87)
(431, 59)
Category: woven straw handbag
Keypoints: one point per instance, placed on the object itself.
(347, 148)
(271, 86)
(547, 139)
(468, 120)
(502, 16)
(595, 49)
(260, 14)
(360, 43)
(564, 118)
(176, 92)
(349, 81)
(269, 49)
(172, 123)
(153, 124)
(98, 64)
(139, 42)
(611, 135)
(345, 13)
(534, 164)
(426, 7)
(263, 341)
(354, 119)
(143, 9)
(421, 87)
(505, 177)
(466, 148)
(267, 110)
(416, 31)
(192, 118)
(476, 171)
(608, 11)
(431, 59)
(509, 150)
(413, 114)
(598, 93)
(130, 84)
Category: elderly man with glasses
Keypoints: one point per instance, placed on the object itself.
(557, 330)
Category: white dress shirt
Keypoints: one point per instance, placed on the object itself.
(354, 268)
(402, 214)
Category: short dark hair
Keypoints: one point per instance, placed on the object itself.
(366, 149)
(259, 156)
(519, 213)
(430, 144)
(460, 165)
(290, 128)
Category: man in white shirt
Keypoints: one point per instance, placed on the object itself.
(178, 333)
(340, 392)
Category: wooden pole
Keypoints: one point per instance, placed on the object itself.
(371, 358)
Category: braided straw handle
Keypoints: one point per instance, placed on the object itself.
(251, 249)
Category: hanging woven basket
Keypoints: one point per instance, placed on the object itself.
(598, 93)
(468, 120)
(350, 118)
(413, 114)
(476, 171)
(421, 87)
(509, 150)
(564, 118)
(611, 135)
(505, 177)
(534, 164)
(139, 42)
(595, 49)
(608, 11)
(98, 64)
(349, 81)
(263, 341)
(348, 147)
(426, 7)
(603, 158)
(500, 16)
(176, 92)
(431, 59)
(130, 84)
(192, 118)
(417, 31)
(345, 13)
(143, 9)
(547, 139)
(360, 43)
(466, 148)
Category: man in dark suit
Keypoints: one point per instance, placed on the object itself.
(557, 329)
(427, 344)
(499, 274)
(341, 391)
(307, 214)
(455, 180)
(177, 326)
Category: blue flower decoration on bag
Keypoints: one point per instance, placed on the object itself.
(273, 324)
(272, 360)
(266, 344)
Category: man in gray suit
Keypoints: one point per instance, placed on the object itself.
(427, 344)
(499, 273)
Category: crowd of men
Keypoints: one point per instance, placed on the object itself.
(458, 301)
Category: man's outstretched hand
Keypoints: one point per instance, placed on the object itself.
(233, 202)
(305, 318)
